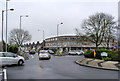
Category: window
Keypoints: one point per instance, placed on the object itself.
(9, 54)
(1, 55)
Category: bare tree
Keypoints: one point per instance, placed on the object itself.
(17, 36)
(98, 27)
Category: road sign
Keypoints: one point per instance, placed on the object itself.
(104, 54)
(24, 45)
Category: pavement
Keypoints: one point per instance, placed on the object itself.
(101, 64)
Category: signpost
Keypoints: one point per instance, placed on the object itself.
(104, 54)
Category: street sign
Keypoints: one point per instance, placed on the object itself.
(24, 45)
(104, 54)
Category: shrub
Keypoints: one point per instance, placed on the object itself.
(111, 55)
(115, 58)
(106, 59)
(10, 49)
(13, 49)
(118, 52)
(89, 54)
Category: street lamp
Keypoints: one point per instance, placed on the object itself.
(57, 33)
(6, 20)
(21, 19)
(43, 37)
(2, 23)
(118, 37)
(20, 27)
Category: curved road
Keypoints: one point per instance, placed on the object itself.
(57, 68)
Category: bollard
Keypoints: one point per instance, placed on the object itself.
(60, 52)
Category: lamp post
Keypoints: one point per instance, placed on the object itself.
(20, 27)
(2, 23)
(43, 37)
(6, 21)
(57, 35)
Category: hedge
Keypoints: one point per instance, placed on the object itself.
(13, 49)
(114, 56)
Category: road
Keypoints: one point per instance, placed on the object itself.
(58, 67)
(0, 73)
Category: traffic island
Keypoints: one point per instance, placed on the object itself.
(100, 64)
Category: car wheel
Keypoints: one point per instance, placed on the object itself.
(20, 62)
(49, 57)
(39, 58)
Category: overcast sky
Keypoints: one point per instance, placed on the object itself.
(46, 14)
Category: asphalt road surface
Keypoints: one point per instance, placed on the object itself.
(63, 67)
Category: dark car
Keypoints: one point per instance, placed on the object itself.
(32, 52)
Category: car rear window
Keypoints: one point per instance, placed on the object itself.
(1, 55)
(43, 52)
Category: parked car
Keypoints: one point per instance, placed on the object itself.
(72, 52)
(50, 51)
(26, 51)
(44, 54)
(8, 58)
(79, 52)
(32, 52)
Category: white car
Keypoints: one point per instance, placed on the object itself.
(26, 51)
(44, 54)
(72, 52)
(79, 52)
(7, 58)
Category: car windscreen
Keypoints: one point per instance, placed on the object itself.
(50, 51)
(1, 55)
(78, 51)
(43, 52)
(72, 51)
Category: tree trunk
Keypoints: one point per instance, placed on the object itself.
(96, 46)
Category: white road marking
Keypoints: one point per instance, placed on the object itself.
(0, 73)
(32, 56)
(5, 74)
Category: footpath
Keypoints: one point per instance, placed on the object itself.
(101, 64)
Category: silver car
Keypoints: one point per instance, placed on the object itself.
(44, 54)
(7, 58)
(79, 52)
(72, 52)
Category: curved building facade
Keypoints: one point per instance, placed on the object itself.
(71, 42)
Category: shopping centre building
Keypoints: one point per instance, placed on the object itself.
(72, 43)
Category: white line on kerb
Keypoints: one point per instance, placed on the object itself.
(32, 56)
(5, 74)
